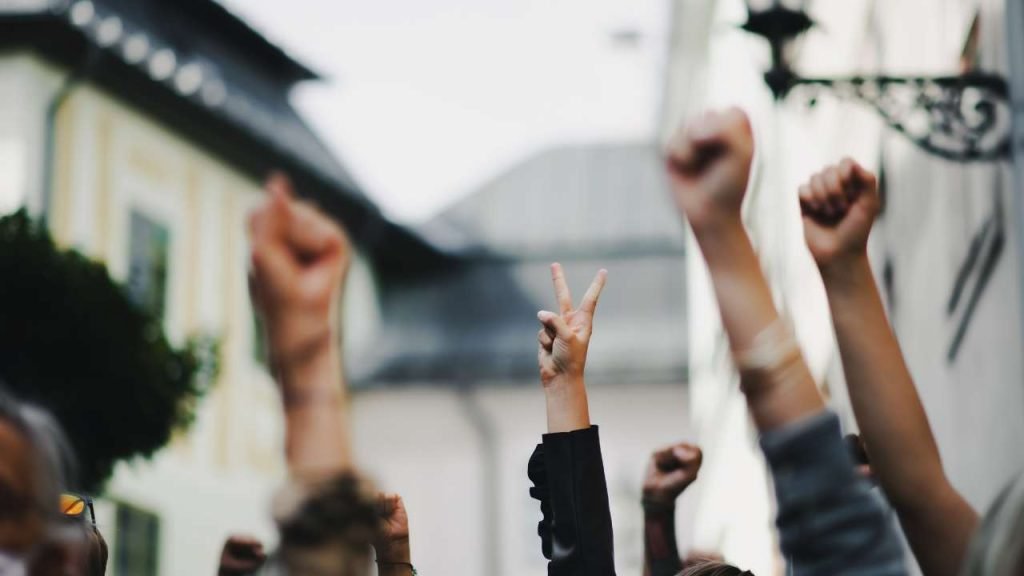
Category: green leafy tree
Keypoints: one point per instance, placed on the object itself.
(73, 341)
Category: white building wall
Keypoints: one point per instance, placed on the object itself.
(975, 403)
(27, 84)
(421, 443)
(218, 478)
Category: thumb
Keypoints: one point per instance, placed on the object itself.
(862, 177)
(556, 324)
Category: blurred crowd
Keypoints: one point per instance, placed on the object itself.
(845, 505)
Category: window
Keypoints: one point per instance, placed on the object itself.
(137, 544)
(148, 263)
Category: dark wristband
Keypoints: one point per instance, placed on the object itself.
(408, 565)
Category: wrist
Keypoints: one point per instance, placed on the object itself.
(313, 379)
(715, 222)
(845, 272)
(397, 551)
(658, 508)
(567, 406)
(719, 243)
(564, 385)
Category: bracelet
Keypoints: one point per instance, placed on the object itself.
(405, 564)
(772, 348)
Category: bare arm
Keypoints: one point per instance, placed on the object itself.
(564, 340)
(709, 166)
(669, 472)
(840, 205)
(394, 557)
(828, 521)
(300, 259)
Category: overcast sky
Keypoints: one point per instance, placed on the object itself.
(427, 99)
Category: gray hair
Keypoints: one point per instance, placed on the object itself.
(997, 548)
(52, 455)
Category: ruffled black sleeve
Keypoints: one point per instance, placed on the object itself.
(576, 529)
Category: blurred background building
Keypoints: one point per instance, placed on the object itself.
(449, 407)
(141, 130)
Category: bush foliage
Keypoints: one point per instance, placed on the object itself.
(73, 341)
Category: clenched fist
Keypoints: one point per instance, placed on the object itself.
(709, 167)
(565, 336)
(299, 262)
(839, 205)
(392, 539)
(240, 556)
(670, 471)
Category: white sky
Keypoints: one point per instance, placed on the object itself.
(427, 99)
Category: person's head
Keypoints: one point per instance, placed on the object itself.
(997, 548)
(96, 560)
(327, 527)
(35, 463)
(25, 481)
(713, 568)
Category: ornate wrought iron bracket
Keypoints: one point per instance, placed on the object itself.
(962, 118)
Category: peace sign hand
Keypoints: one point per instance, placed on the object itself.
(565, 336)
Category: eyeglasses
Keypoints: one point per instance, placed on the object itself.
(75, 505)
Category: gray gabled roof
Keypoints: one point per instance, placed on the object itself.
(592, 206)
(595, 197)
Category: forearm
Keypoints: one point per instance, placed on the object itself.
(747, 310)
(567, 406)
(316, 430)
(893, 423)
(661, 554)
(892, 420)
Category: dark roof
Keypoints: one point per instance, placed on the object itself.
(211, 77)
(594, 206)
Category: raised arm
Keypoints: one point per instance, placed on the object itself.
(299, 262)
(394, 556)
(566, 468)
(562, 356)
(709, 165)
(828, 521)
(839, 206)
(669, 472)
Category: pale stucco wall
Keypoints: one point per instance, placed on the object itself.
(976, 403)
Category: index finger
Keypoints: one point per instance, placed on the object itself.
(589, 303)
(561, 288)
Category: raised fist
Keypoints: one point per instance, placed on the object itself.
(670, 471)
(299, 261)
(709, 166)
(392, 539)
(839, 205)
(241, 556)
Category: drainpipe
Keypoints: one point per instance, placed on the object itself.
(477, 418)
(1015, 51)
(71, 81)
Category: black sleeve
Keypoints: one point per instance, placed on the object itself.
(576, 529)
